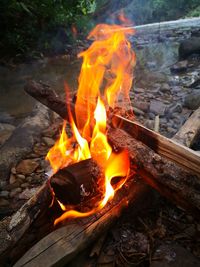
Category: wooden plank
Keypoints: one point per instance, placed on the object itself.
(60, 246)
(190, 131)
(162, 145)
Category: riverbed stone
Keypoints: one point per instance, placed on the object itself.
(192, 101)
(173, 255)
(12, 179)
(15, 192)
(157, 107)
(27, 166)
(48, 141)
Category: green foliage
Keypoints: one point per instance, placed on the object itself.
(26, 23)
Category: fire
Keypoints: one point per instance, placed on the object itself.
(106, 76)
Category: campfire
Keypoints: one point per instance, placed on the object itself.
(105, 78)
(103, 161)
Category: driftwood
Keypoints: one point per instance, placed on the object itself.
(190, 131)
(60, 246)
(22, 139)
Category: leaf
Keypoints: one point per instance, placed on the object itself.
(25, 8)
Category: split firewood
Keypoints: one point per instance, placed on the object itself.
(61, 245)
(190, 130)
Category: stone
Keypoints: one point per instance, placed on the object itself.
(165, 88)
(137, 111)
(179, 67)
(173, 255)
(157, 107)
(5, 132)
(141, 105)
(192, 101)
(48, 141)
(12, 179)
(28, 193)
(189, 47)
(13, 170)
(27, 166)
(24, 185)
(4, 193)
(21, 176)
(149, 124)
(15, 192)
(139, 90)
(4, 202)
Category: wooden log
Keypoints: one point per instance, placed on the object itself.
(190, 131)
(182, 184)
(12, 228)
(22, 139)
(165, 147)
(60, 246)
(48, 97)
(75, 182)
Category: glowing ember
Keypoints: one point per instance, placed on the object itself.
(106, 76)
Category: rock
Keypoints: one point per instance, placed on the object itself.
(139, 90)
(179, 67)
(12, 179)
(149, 124)
(173, 255)
(175, 108)
(48, 141)
(4, 202)
(6, 118)
(138, 111)
(14, 192)
(21, 176)
(28, 193)
(13, 170)
(157, 107)
(2, 184)
(192, 101)
(189, 47)
(4, 194)
(5, 132)
(40, 150)
(165, 88)
(24, 185)
(141, 105)
(27, 166)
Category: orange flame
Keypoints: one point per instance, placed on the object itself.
(106, 75)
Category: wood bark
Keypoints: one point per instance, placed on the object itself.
(22, 139)
(75, 182)
(61, 245)
(190, 131)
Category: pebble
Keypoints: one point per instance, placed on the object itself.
(13, 170)
(27, 166)
(12, 179)
(157, 107)
(4, 194)
(4, 202)
(24, 185)
(14, 192)
(21, 176)
(48, 141)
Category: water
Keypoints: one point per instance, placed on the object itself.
(15, 102)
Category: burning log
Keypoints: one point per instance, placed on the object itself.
(75, 181)
(173, 168)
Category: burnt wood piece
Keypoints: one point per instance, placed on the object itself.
(75, 182)
(171, 180)
(190, 131)
(23, 139)
(61, 245)
(48, 97)
(165, 147)
(12, 228)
